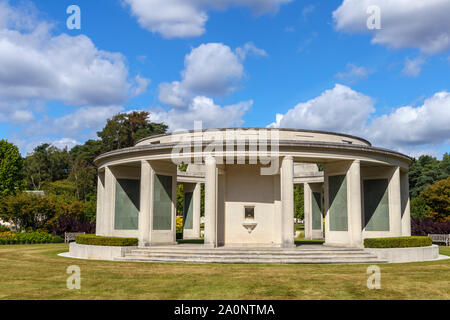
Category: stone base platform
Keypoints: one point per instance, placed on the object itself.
(305, 254)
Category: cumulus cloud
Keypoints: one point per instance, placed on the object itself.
(36, 65)
(65, 143)
(182, 19)
(211, 69)
(407, 129)
(419, 24)
(203, 109)
(340, 109)
(405, 23)
(83, 121)
(408, 126)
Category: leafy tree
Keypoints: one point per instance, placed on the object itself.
(444, 166)
(125, 129)
(32, 212)
(419, 208)
(424, 172)
(83, 175)
(46, 164)
(437, 198)
(90, 150)
(11, 169)
(180, 199)
(299, 202)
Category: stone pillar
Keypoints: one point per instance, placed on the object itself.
(197, 210)
(355, 204)
(100, 203)
(395, 203)
(211, 202)
(287, 201)
(307, 192)
(145, 204)
(109, 202)
(406, 212)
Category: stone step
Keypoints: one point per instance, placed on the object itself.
(248, 252)
(310, 255)
(247, 260)
(299, 255)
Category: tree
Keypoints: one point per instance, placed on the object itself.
(299, 202)
(46, 164)
(125, 129)
(90, 150)
(425, 171)
(83, 175)
(11, 169)
(419, 208)
(437, 198)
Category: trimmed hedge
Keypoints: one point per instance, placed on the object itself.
(28, 238)
(93, 240)
(398, 242)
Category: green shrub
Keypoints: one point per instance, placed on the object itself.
(58, 239)
(26, 238)
(399, 242)
(93, 240)
(4, 228)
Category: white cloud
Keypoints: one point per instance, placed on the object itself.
(307, 11)
(36, 65)
(182, 19)
(414, 126)
(203, 109)
(141, 85)
(211, 69)
(354, 73)
(84, 121)
(65, 143)
(340, 109)
(249, 47)
(413, 67)
(406, 129)
(404, 23)
(16, 116)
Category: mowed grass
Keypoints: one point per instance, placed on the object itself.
(36, 272)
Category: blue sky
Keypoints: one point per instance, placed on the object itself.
(315, 64)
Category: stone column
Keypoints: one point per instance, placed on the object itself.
(145, 204)
(355, 204)
(395, 203)
(211, 202)
(100, 203)
(307, 192)
(406, 212)
(287, 201)
(197, 209)
(109, 202)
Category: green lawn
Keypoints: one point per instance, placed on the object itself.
(35, 272)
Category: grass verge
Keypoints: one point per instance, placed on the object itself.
(36, 272)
